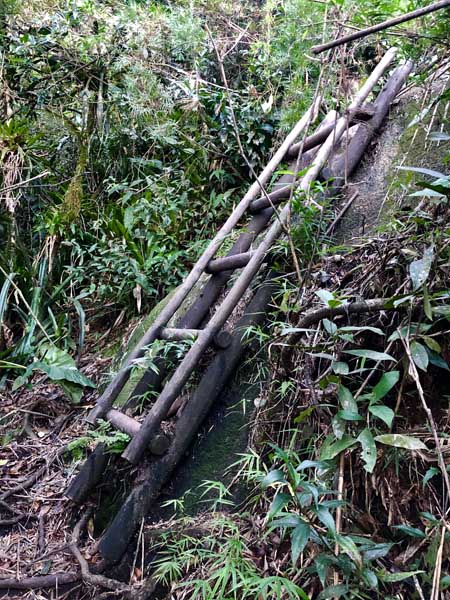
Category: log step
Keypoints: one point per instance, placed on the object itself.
(158, 445)
(227, 263)
(123, 422)
(221, 340)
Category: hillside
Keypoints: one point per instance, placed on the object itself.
(224, 300)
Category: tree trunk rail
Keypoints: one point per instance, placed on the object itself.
(206, 330)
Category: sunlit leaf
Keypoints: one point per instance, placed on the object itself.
(369, 449)
(372, 354)
(420, 269)
(385, 384)
(400, 441)
(383, 412)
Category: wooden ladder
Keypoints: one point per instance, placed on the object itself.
(249, 261)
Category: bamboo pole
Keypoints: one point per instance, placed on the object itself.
(173, 387)
(420, 12)
(110, 394)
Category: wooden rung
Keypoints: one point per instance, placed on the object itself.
(159, 444)
(221, 340)
(236, 261)
(280, 194)
(123, 422)
(175, 335)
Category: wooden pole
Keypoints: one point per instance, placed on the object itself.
(173, 387)
(420, 12)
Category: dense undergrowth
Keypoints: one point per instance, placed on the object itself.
(119, 160)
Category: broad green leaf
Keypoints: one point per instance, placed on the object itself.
(412, 531)
(419, 355)
(369, 449)
(437, 360)
(348, 415)
(431, 472)
(322, 563)
(383, 412)
(278, 503)
(289, 520)
(432, 344)
(299, 539)
(329, 326)
(340, 368)
(338, 426)
(372, 354)
(370, 578)
(401, 441)
(386, 383)
(395, 577)
(58, 364)
(331, 448)
(312, 464)
(378, 551)
(420, 269)
(275, 476)
(304, 414)
(350, 328)
(346, 399)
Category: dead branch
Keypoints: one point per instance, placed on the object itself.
(380, 26)
(326, 312)
(116, 587)
(39, 581)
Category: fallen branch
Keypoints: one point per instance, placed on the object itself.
(326, 312)
(380, 26)
(93, 579)
(39, 581)
(128, 592)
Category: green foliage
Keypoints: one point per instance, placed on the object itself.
(218, 566)
(114, 442)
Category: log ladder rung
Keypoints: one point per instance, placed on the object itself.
(227, 263)
(221, 340)
(158, 445)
